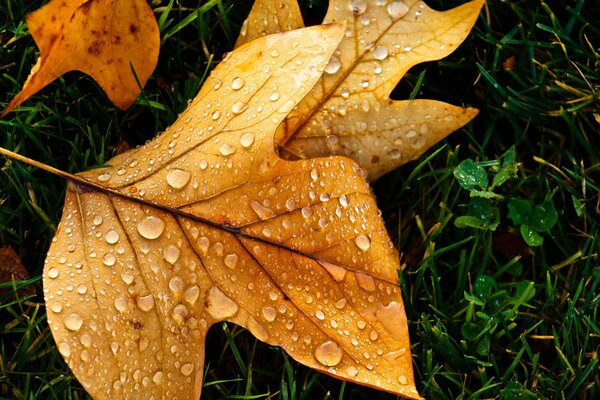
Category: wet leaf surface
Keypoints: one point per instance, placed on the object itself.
(105, 39)
(349, 111)
(206, 224)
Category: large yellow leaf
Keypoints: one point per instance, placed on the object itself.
(105, 39)
(206, 224)
(349, 111)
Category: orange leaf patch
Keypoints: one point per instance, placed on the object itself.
(105, 39)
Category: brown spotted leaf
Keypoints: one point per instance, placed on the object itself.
(106, 39)
(349, 111)
(206, 224)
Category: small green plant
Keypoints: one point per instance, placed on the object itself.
(484, 208)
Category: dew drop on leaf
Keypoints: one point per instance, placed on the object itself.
(226, 149)
(333, 66)
(260, 210)
(109, 259)
(219, 306)
(237, 83)
(231, 260)
(151, 227)
(192, 294)
(397, 9)
(362, 242)
(358, 6)
(145, 303)
(329, 353)
(269, 313)
(187, 369)
(247, 139)
(73, 322)
(111, 237)
(178, 178)
(53, 273)
(380, 53)
(176, 284)
(171, 254)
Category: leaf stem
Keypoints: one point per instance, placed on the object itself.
(37, 164)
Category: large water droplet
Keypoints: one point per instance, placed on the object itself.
(380, 53)
(358, 6)
(180, 313)
(178, 178)
(362, 242)
(237, 107)
(397, 9)
(151, 227)
(257, 329)
(269, 313)
(393, 319)
(402, 380)
(171, 254)
(219, 306)
(329, 353)
(65, 349)
(73, 322)
(121, 303)
(187, 369)
(109, 259)
(260, 210)
(145, 303)
(237, 83)
(351, 371)
(231, 260)
(247, 139)
(192, 294)
(86, 340)
(226, 149)
(53, 273)
(176, 284)
(333, 65)
(111, 236)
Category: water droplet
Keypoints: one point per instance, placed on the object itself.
(187, 369)
(178, 178)
(86, 340)
(274, 96)
(104, 177)
(361, 324)
(364, 281)
(192, 294)
(320, 315)
(215, 115)
(226, 149)
(380, 53)
(171, 254)
(157, 378)
(340, 304)
(143, 343)
(176, 284)
(231, 260)
(97, 220)
(203, 244)
(151, 227)
(237, 83)
(127, 277)
(397, 9)
(362, 242)
(145, 303)
(269, 313)
(351, 371)
(180, 313)
(373, 335)
(329, 353)
(274, 53)
(73, 322)
(333, 65)
(121, 303)
(345, 92)
(247, 139)
(307, 212)
(109, 259)
(111, 236)
(358, 6)
(65, 349)
(393, 319)
(56, 307)
(53, 273)
(257, 329)
(82, 289)
(219, 306)
(237, 107)
(337, 273)
(402, 380)
(260, 210)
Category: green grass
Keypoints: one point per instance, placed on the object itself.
(489, 316)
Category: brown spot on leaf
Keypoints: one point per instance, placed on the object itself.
(96, 47)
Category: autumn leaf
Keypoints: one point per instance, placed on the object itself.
(11, 268)
(206, 223)
(106, 39)
(269, 17)
(349, 111)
